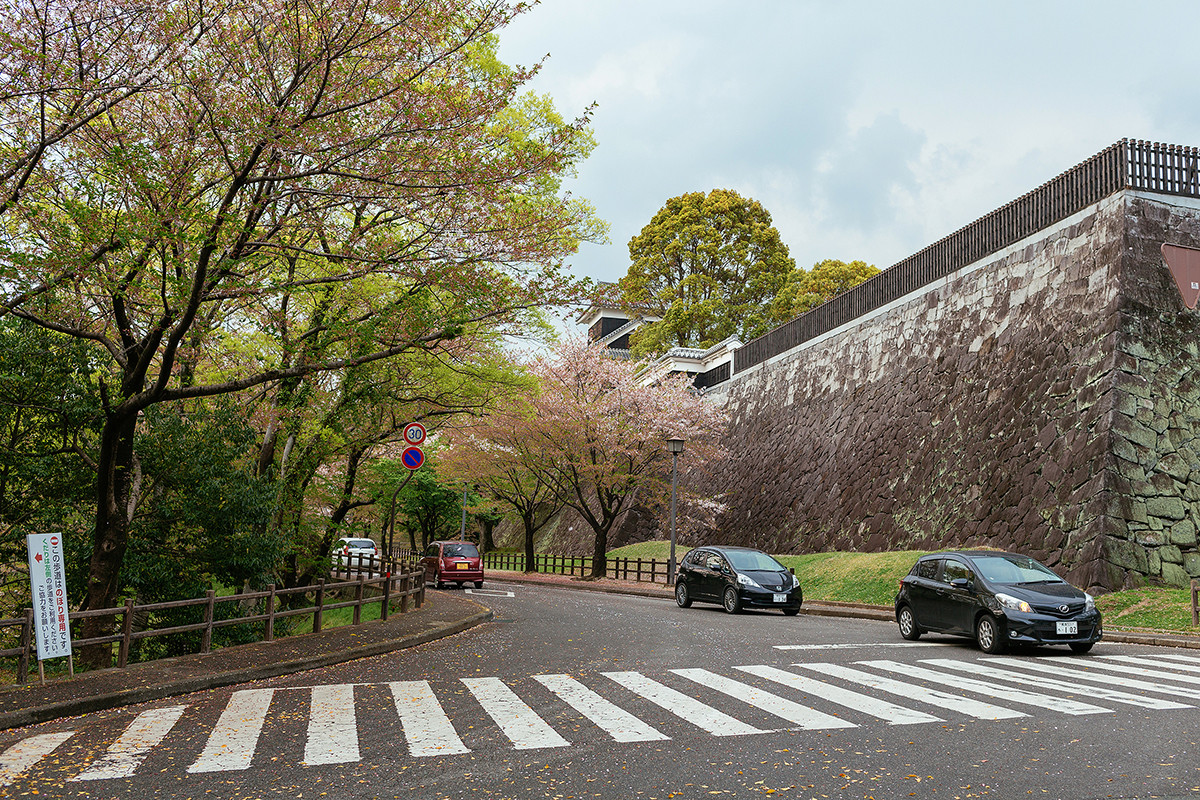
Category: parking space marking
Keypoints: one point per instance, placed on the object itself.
(489, 592)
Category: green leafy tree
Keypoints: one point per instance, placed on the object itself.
(807, 289)
(256, 162)
(431, 503)
(709, 265)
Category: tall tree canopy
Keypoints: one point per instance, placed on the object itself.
(710, 266)
(222, 196)
(600, 435)
(807, 289)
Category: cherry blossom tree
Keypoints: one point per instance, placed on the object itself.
(228, 197)
(600, 435)
(499, 452)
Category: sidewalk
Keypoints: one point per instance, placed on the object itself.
(442, 614)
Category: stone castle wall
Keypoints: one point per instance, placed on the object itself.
(1154, 457)
(1043, 400)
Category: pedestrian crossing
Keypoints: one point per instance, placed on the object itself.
(559, 710)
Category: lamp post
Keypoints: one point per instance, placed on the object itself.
(462, 530)
(675, 446)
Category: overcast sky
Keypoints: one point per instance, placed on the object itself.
(867, 129)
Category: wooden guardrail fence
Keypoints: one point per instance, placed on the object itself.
(387, 579)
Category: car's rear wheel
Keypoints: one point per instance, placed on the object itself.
(459, 584)
(437, 580)
(731, 601)
(682, 598)
(988, 635)
(1081, 647)
(908, 624)
(478, 584)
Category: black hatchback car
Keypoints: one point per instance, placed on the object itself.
(998, 599)
(737, 578)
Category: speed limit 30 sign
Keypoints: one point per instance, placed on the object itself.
(414, 433)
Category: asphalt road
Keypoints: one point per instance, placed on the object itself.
(579, 694)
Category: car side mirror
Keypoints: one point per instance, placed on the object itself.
(960, 583)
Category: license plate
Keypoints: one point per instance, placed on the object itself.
(1066, 628)
(780, 598)
(462, 565)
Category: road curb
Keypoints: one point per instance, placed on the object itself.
(101, 702)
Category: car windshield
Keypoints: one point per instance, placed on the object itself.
(360, 544)
(751, 560)
(1014, 570)
(462, 549)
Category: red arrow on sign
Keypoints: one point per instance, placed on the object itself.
(38, 557)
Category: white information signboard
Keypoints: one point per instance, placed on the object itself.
(48, 580)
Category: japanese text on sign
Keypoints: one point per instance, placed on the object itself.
(48, 583)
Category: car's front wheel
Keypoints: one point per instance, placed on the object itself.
(1081, 647)
(988, 635)
(731, 601)
(682, 598)
(908, 624)
(791, 612)
(478, 584)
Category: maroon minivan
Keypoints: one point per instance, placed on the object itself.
(453, 562)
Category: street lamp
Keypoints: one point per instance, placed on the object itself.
(675, 446)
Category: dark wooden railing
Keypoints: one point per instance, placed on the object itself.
(1128, 164)
(369, 580)
(630, 569)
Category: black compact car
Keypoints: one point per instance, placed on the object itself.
(998, 599)
(737, 578)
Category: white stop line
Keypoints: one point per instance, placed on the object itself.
(490, 592)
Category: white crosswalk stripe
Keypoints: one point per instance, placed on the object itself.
(611, 718)
(1154, 663)
(1175, 657)
(988, 689)
(1139, 700)
(520, 723)
(232, 743)
(332, 728)
(426, 727)
(892, 713)
(802, 696)
(128, 752)
(687, 708)
(799, 715)
(1129, 669)
(1085, 674)
(963, 705)
(27, 752)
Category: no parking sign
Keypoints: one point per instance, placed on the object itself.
(413, 457)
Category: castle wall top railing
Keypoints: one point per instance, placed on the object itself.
(1128, 164)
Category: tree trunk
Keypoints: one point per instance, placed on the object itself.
(600, 553)
(530, 530)
(486, 545)
(114, 473)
